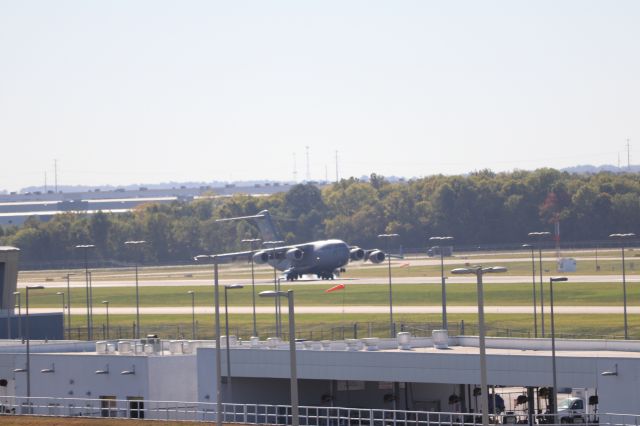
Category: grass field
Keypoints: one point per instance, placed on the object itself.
(499, 294)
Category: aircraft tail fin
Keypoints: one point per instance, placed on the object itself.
(264, 222)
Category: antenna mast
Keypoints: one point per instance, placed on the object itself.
(628, 155)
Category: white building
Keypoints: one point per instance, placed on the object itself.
(368, 374)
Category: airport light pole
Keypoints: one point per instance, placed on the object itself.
(292, 351)
(622, 238)
(69, 306)
(106, 304)
(388, 237)
(478, 271)
(226, 330)
(17, 294)
(214, 258)
(533, 281)
(34, 287)
(136, 244)
(540, 236)
(61, 293)
(252, 241)
(554, 393)
(193, 314)
(85, 248)
(441, 240)
(273, 245)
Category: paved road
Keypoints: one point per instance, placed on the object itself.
(432, 309)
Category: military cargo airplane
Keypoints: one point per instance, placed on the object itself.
(324, 258)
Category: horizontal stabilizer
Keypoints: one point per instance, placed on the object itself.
(257, 216)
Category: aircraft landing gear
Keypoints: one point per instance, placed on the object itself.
(325, 276)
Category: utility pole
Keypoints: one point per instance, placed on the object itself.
(337, 165)
(628, 155)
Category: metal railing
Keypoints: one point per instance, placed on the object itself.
(135, 407)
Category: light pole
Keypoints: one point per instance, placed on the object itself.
(136, 244)
(622, 238)
(554, 393)
(292, 351)
(69, 306)
(273, 245)
(61, 293)
(226, 330)
(540, 236)
(85, 248)
(444, 291)
(34, 287)
(478, 271)
(214, 258)
(533, 283)
(252, 241)
(193, 314)
(17, 294)
(106, 304)
(388, 237)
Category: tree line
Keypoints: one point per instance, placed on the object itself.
(479, 208)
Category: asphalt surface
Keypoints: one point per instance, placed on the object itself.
(455, 279)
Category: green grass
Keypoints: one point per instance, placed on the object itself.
(500, 294)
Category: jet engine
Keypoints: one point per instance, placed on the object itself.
(294, 254)
(356, 253)
(261, 257)
(377, 256)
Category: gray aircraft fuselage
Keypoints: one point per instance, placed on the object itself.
(321, 258)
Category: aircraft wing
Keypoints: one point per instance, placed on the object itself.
(263, 255)
(227, 257)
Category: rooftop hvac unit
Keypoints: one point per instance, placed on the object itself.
(440, 339)
(101, 347)
(153, 341)
(124, 347)
(404, 340)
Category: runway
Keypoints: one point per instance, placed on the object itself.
(457, 279)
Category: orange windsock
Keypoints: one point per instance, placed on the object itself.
(335, 288)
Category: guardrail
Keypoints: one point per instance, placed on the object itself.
(138, 408)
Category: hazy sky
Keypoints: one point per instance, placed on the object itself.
(151, 91)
